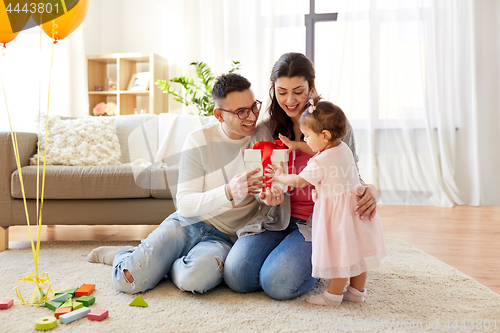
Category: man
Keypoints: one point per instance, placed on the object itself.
(214, 200)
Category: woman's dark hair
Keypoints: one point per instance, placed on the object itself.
(325, 116)
(288, 65)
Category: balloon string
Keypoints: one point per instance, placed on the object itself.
(54, 31)
(44, 157)
(15, 146)
(43, 280)
(2, 50)
(18, 164)
(64, 6)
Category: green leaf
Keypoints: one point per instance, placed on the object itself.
(195, 91)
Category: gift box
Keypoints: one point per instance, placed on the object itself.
(264, 153)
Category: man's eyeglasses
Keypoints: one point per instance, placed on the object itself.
(243, 113)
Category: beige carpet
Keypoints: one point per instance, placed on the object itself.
(411, 292)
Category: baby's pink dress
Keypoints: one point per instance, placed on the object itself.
(343, 245)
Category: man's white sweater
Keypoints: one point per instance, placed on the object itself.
(209, 160)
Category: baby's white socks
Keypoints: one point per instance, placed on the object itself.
(326, 299)
(354, 295)
(351, 294)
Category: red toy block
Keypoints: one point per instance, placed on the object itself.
(6, 303)
(98, 315)
(85, 290)
(61, 311)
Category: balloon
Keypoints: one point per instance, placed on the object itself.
(66, 23)
(12, 21)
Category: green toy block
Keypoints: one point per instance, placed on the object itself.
(86, 300)
(45, 323)
(138, 301)
(71, 292)
(67, 304)
(77, 305)
(59, 298)
(53, 305)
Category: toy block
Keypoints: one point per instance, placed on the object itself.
(98, 315)
(35, 297)
(6, 303)
(138, 301)
(73, 315)
(62, 311)
(77, 305)
(71, 292)
(67, 304)
(45, 323)
(53, 305)
(86, 300)
(61, 298)
(85, 290)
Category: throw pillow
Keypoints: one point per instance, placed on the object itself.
(78, 142)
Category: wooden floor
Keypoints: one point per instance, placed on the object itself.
(467, 238)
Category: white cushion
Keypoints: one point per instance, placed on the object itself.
(86, 141)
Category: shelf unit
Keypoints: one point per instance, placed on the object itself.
(122, 66)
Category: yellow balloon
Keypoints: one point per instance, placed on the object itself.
(65, 24)
(12, 21)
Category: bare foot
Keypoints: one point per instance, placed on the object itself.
(105, 254)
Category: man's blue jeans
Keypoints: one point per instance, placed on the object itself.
(279, 262)
(189, 251)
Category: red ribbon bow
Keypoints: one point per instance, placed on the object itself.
(266, 150)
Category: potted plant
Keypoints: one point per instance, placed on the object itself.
(195, 91)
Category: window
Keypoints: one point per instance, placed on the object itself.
(383, 78)
(320, 30)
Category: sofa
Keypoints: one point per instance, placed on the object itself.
(140, 190)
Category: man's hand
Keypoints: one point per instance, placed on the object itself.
(240, 186)
(272, 196)
(367, 205)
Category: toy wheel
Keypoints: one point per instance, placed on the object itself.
(45, 323)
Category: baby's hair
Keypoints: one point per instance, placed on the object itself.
(325, 116)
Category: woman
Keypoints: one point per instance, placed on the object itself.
(274, 250)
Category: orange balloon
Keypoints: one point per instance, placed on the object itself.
(66, 23)
(12, 22)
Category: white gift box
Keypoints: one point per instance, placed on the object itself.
(253, 161)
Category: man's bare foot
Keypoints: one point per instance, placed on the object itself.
(106, 254)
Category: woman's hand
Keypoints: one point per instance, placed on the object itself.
(272, 196)
(367, 205)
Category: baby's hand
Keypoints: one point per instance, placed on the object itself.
(292, 145)
(275, 172)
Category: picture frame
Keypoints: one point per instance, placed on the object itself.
(139, 81)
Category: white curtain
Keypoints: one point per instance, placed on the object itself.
(25, 70)
(406, 74)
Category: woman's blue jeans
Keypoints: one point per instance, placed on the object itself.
(279, 262)
(189, 251)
